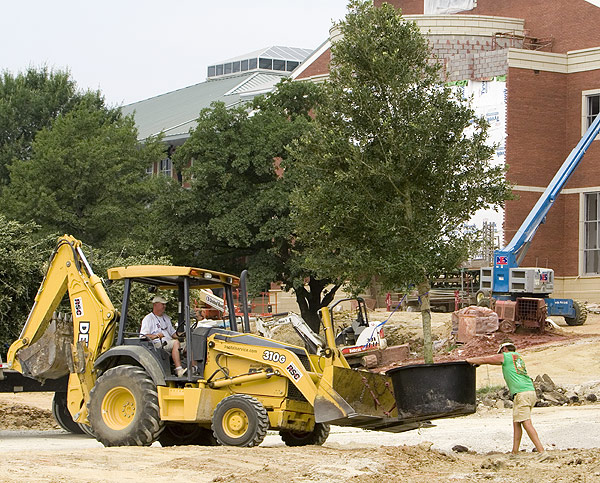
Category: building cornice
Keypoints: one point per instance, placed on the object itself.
(569, 63)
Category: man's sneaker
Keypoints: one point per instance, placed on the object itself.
(544, 456)
(180, 371)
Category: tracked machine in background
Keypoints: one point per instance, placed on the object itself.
(237, 386)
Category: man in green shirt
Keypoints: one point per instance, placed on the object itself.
(521, 387)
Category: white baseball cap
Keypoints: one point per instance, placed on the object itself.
(159, 300)
(510, 345)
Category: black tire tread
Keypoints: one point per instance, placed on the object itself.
(62, 415)
(581, 313)
(148, 426)
(315, 437)
(259, 412)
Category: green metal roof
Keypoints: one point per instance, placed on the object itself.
(175, 113)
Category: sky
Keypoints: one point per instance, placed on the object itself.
(135, 49)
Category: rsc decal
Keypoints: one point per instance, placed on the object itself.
(294, 371)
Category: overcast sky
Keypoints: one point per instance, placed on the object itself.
(135, 49)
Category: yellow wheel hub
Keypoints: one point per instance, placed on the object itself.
(235, 423)
(118, 408)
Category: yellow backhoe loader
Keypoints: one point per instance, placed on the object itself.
(121, 388)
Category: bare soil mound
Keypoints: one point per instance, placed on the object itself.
(15, 416)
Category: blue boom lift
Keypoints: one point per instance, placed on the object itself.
(506, 281)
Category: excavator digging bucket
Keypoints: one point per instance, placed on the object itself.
(394, 403)
(48, 358)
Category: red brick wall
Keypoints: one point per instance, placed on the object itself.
(318, 67)
(572, 23)
(587, 173)
(535, 123)
(556, 243)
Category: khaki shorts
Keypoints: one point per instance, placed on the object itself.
(522, 404)
(168, 346)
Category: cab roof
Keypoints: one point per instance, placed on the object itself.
(168, 276)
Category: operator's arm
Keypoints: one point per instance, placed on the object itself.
(496, 359)
(150, 330)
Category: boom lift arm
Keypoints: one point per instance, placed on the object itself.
(512, 255)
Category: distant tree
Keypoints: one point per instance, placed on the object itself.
(85, 176)
(29, 102)
(23, 251)
(395, 163)
(234, 210)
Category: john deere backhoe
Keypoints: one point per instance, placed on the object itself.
(121, 387)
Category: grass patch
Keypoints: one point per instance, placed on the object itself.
(482, 391)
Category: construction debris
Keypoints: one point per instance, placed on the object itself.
(473, 320)
(548, 393)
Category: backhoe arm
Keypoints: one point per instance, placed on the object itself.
(48, 350)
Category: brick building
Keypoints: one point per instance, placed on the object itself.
(549, 54)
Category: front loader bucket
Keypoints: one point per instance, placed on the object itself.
(379, 402)
(48, 357)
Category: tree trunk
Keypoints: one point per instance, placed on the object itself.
(424, 288)
(309, 301)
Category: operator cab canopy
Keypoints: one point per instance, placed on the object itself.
(167, 276)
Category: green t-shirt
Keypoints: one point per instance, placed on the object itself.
(515, 373)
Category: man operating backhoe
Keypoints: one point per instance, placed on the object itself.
(157, 326)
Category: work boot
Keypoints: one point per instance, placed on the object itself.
(179, 371)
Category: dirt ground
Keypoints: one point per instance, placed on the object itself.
(35, 450)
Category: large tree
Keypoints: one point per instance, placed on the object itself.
(395, 164)
(233, 211)
(85, 175)
(30, 101)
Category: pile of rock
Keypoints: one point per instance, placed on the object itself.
(548, 393)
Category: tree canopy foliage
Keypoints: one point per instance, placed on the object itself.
(84, 175)
(233, 211)
(395, 163)
(30, 101)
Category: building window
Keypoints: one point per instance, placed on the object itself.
(291, 65)
(265, 64)
(590, 108)
(593, 108)
(278, 64)
(591, 250)
(212, 70)
(251, 64)
(150, 170)
(166, 167)
(244, 65)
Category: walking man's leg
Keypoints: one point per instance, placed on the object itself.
(517, 434)
(533, 436)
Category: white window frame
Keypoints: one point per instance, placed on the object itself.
(586, 224)
(585, 115)
(165, 167)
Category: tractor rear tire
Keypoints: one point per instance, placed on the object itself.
(240, 420)
(62, 415)
(581, 314)
(178, 434)
(123, 408)
(315, 437)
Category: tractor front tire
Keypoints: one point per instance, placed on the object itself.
(315, 437)
(240, 420)
(123, 408)
(581, 314)
(178, 434)
(62, 415)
